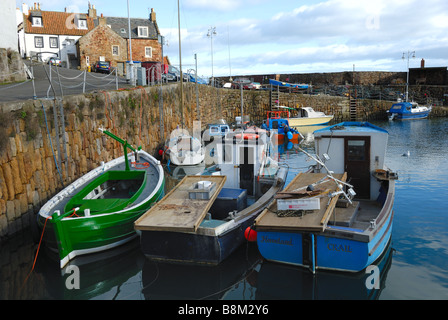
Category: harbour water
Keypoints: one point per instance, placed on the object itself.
(415, 266)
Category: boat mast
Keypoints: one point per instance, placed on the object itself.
(124, 143)
(180, 67)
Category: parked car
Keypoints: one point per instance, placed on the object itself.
(173, 74)
(55, 61)
(252, 86)
(102, 66)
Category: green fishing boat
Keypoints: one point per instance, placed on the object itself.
(97, 211)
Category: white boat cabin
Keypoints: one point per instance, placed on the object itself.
(358, 148)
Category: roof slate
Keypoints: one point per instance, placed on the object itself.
(117, 24)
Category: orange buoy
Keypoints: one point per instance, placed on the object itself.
(250, 234)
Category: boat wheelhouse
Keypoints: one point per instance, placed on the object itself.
(339, 215)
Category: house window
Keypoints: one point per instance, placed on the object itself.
(123, 30)
(53, 42)
(115, 50)
(143, 32)
(82, 24)
(39, 42)
(37, 21)
(148, 52)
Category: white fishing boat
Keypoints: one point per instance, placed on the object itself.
(307, 116)
(185, 150)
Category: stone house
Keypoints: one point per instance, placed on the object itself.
(50, 33)
(144, 42)
(101, 44)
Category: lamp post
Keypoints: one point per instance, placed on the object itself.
(210, 33)
(407, 71)
(131, 62)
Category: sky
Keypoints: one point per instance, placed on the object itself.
(289, 36)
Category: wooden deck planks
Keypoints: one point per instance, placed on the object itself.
(176, 212)
(313, 222)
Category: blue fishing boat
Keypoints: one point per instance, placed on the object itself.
(319, 221)
(288, 85)
(408, 111)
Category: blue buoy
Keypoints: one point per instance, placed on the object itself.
(289, 134)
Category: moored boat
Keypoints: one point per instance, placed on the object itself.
(203, 219)
(288, 85)
(306, 116)
(98, 210)
(319, 221)
(185, 150)
(408, 111)
(277, 123)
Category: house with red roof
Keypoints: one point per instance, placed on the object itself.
(45, 34)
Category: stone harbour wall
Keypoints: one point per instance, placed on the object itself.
(35, 164)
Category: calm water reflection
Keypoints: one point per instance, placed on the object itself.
(414, 266)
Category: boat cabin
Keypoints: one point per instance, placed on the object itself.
(243, 158)
(356, 148)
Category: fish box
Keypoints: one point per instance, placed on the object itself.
(298, 204)
(202, 190)
(228, 200)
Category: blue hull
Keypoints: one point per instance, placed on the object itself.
(405, 116)
(321, 251)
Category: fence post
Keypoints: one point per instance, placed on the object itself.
(84, 83)
(116, 78)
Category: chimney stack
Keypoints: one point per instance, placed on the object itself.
(152, 16)
(422, 63)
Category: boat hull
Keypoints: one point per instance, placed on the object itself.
(330, 253)
(298, 122)
(337, 248)
(193, 248)
(84, 235)
(409, 116)
(73, 234)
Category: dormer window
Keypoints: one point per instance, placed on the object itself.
(81, 21)
(82, 24)
(37, 21)
(36, 18)
(143, 32)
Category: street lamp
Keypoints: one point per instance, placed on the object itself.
(131, 62)
(210, 33)
(409, 54)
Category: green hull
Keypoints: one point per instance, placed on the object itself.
(72, 235)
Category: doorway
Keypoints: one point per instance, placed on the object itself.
(357, 164)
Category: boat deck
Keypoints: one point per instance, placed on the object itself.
(315, 220)
(176, 211)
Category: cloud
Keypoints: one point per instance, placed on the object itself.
(221, 5)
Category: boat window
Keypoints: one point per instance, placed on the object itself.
(356, 150)
(214, 129)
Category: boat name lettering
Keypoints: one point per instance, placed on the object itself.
(339, 247)
(277, 241)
